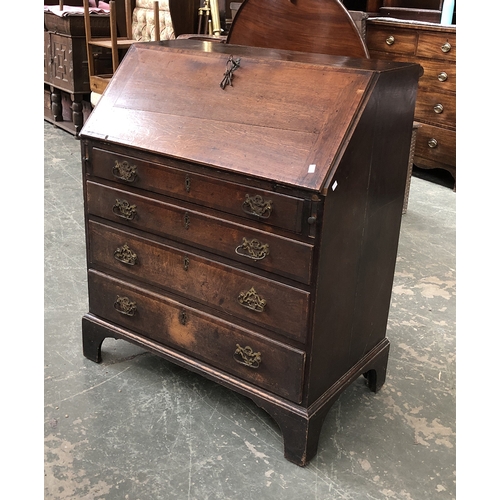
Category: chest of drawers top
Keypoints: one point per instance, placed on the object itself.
(425, 40)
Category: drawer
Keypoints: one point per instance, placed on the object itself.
(254, 204)
(437, 46)
(259, 249)
(436, 144)
(391, 40)
(269, 364)
(438, 109)
(438, 75)
(261, 301)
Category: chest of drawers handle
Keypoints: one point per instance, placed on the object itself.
(390, 40)
(252, 300)
(446, 47)
(257, 205)
(123, 209)
(125, 306)
(125, 255)
(246, 356)
(432, 143)
(253, 249)
(443, 76)
(124, 171)
(438, 108)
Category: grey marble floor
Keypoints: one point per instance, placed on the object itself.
(137, 427)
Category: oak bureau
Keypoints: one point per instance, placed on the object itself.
(243, 209)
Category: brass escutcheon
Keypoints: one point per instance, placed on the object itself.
(182, 316)
(187, 220)
(186, 263)
(252, 249)
(124, 171)
(252, 300)
(187, 183)
(257, 205)
(123, 209)
(246, 356)
(126, 255)
(125, 306)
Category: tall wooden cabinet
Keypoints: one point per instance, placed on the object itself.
(242, 219)
(433, 46)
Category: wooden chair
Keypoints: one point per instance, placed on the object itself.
(113, 43)
(319, 26)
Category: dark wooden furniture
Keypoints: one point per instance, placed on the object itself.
(249, 233)
(433, 47)
(319, 26)
(66, 77)
(415, 10)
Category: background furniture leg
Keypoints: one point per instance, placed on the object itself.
(77, 112)
(55, 103)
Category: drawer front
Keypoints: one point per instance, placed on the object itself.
(438, 109)
(437, 46)
(258, 249)
(438, 75)
(268, 364)
(264, 302)
(391, 40)
(436, 144)
(254, 204)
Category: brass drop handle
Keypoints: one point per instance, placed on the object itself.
(432, 143)
(443, 76)
(125, 255)
(125, 306)
(438, 108)
(124, 171)
(446, 47)
(257, 205)
(123, 209)
(390, 40)
(252, 249)
(252, 300)
(246, 356)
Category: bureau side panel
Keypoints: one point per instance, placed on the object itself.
(360, 232)
(340, 243)
(395, 105)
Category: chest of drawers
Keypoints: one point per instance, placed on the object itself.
(249, 233)
(433, 47)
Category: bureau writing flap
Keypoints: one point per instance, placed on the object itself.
(281, 117)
